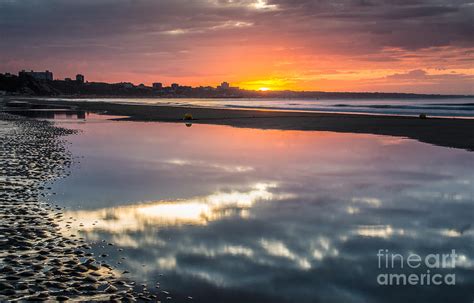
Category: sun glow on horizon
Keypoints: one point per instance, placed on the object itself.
(266, 83)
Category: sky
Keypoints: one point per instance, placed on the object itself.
(420, 46)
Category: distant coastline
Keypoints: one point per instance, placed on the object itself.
(28, 84)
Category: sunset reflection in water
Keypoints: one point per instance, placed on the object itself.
(264, 215)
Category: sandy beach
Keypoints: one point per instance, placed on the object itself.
(38, 260)
(455, 133)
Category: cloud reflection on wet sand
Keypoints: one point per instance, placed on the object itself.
(269, 216)
(194, 211)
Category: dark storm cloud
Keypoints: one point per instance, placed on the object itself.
(406, 24)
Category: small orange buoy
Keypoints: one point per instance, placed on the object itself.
(188, 116)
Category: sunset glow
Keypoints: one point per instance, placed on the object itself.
(276, 44)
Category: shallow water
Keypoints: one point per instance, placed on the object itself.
(224, 214)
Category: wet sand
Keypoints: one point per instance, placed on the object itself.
(455, 133)
(38, 261)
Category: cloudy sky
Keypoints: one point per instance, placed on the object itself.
(332, 45)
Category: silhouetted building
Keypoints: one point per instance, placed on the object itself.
(80, 78)
(175, 86)
(157, 85)
(46, 75)
(67, 79)
(224, 86)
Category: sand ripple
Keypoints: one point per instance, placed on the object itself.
(37, 262)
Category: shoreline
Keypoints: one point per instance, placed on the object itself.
(116, 100)
(446, 132)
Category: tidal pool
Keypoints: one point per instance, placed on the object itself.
(222, 214)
